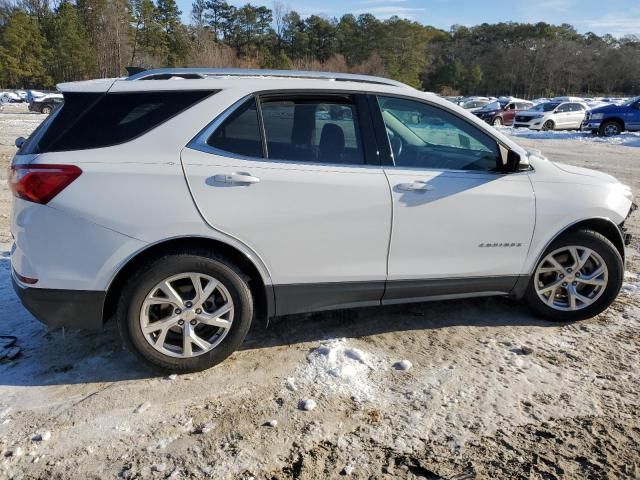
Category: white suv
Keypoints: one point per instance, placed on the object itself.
(554, 115)
(187, 209)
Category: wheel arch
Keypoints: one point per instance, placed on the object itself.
(260, 286)
(603, 226)
(619, 120)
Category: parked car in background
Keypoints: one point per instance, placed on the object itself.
(46, 104)
(255, 184)
(9, 97)
(453, 99)
(474, 105)
(552, 116)
(502, 112)
(614, 119)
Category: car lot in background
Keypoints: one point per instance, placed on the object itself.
(554, 115)
(502, 111)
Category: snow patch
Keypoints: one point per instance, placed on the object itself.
(338, 368)
(308, 404)
(627, 139)
(403, 365)
(631, 288)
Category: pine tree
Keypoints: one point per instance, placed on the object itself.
(23, 53)
(73, 58)
(173, 32)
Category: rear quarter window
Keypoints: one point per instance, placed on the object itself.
(90, 120)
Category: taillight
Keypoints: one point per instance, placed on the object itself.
(40, 183)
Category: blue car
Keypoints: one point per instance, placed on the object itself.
(614, 119)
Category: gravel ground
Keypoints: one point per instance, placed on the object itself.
(487, 390)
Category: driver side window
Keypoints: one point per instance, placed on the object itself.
(425, 136)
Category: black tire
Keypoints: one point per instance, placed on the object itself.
(610, 128)
(497, 122)
(615, 266)
(142, 282)
(548, 125)
(46, 110)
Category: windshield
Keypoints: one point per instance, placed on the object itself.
(630, 102)
(544, 107)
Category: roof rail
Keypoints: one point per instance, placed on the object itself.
(196, 73)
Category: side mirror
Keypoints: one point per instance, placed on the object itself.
(521, 163)
(20, 141)
(512, 161)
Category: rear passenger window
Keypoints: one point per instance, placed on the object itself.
(312, 130)
(240, 133)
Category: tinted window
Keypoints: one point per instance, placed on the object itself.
(90, 120)
(320, 130)
(564, 108)
(576, 107)
(240, 132)
(424, 136)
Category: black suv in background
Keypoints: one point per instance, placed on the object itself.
(46, 105)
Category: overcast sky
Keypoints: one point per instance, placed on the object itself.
(618, 17)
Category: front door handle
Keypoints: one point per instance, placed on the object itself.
(415, 186)
(237, 177)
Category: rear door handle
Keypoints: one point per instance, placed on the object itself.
(237, 177)
(415, 186)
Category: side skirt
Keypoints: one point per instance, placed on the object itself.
(313, 297)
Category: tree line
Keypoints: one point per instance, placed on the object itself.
(44, 43)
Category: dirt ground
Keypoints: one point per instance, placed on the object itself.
(492, 392)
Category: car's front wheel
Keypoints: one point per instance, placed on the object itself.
(578, 277)
(610, 129)
(548, 125)
(497, 122)
(185, 312)
(46, 110)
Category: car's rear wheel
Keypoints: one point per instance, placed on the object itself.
(610, 129)
(578, 277)
(548, 125)
(46, 110)
(185, 312)
(497, 122)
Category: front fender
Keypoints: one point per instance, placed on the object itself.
(561, 206)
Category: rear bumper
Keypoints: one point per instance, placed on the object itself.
(63, 308)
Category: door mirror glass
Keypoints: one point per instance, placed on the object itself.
(20, 141)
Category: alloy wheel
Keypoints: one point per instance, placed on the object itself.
(186, 315)
(571, 278)
(611, 129)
